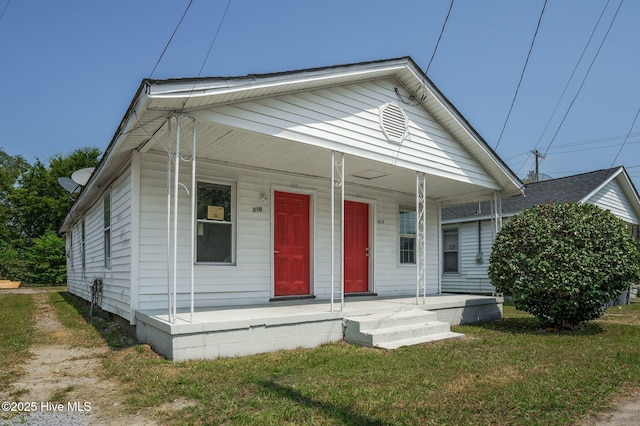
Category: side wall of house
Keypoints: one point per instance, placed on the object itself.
(249, 280)
(472, 276)
(116, 275)
(611, 197)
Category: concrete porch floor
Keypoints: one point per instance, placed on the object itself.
(245, 330)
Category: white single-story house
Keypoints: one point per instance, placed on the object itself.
(219, 199)
(468, 233)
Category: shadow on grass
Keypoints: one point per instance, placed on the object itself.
(115, 333)
(341, 413)
(526, 325)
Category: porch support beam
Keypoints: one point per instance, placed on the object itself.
(337, 181)
(176, 175)
(496, 212)
(193, 215)
(169, 156)
(421, 236)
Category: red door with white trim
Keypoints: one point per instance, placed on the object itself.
(291, 244)
(356, 247)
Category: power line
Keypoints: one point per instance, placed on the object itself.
(5, 9)
(440, 36)
(171, 38)
(568, 82)
(215, 36)
(627, 137)
(515, 95)
(585, 77)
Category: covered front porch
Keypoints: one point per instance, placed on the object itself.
(246, 330)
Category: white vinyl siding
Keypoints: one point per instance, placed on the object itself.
(472, 276)
(116, 278)
(612, 198)
(249, 281)
(346, 119)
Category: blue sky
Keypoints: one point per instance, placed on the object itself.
(69, 69)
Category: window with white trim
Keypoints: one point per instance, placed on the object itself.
(450, 251)
(107, 229)
(215, 230)
(82, 248)
(407, 233)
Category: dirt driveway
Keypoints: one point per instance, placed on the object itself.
(61, 374)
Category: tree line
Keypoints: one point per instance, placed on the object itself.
(33, 206)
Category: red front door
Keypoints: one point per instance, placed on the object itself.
(356, 247)
(291, 244)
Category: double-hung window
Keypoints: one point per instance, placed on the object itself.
(83, 256)
(107, 230)
(215, 223)
(450, 251)
(407, 233)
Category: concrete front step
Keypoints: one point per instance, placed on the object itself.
(392, 330)
(423, 339)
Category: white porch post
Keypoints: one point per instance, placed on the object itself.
(176, 175)
(193, 215)
(421, 233)
(169, 219)
(496, 212)
(337, 167)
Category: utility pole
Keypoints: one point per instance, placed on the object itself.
(538, 157)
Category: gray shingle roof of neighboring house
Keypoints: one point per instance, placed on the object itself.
(561, 190)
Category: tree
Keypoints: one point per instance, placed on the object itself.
(33, 206)
(10, 168)
(563, 262)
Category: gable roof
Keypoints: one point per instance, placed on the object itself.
(576, 188)
(156, 100)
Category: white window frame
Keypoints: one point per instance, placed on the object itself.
(445, 250)
(83, 253)
(233, 222)
(107, 219)
(406, 208)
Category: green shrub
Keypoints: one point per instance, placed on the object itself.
(563, 262)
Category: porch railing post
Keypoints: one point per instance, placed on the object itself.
(342, 231)
(337, 167)
(169, 219)
(333, 224)
(193, 215)
(421, 240)
(176, 175)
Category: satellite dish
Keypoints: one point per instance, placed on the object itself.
(81, 177)
(69, 184)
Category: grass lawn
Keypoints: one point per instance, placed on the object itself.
(502, 373)
(508, 372)
(16, 334)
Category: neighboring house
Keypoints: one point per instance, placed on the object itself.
(278, 179)
(468, 232)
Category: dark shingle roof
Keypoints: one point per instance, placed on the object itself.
(561, 190)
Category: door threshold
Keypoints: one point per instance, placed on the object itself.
(364, 293)
(284, 298)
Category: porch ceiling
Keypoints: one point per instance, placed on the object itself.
(236, 147)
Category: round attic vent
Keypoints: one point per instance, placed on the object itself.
(393, 122)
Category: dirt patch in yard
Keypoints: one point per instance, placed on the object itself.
(68, 375)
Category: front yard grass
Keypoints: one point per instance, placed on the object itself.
(508, 372)
(16, 334)
(503, 373)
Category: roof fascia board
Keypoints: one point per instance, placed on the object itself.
(465, 125)
(91, 190)
(232, 85)
(602, 185)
